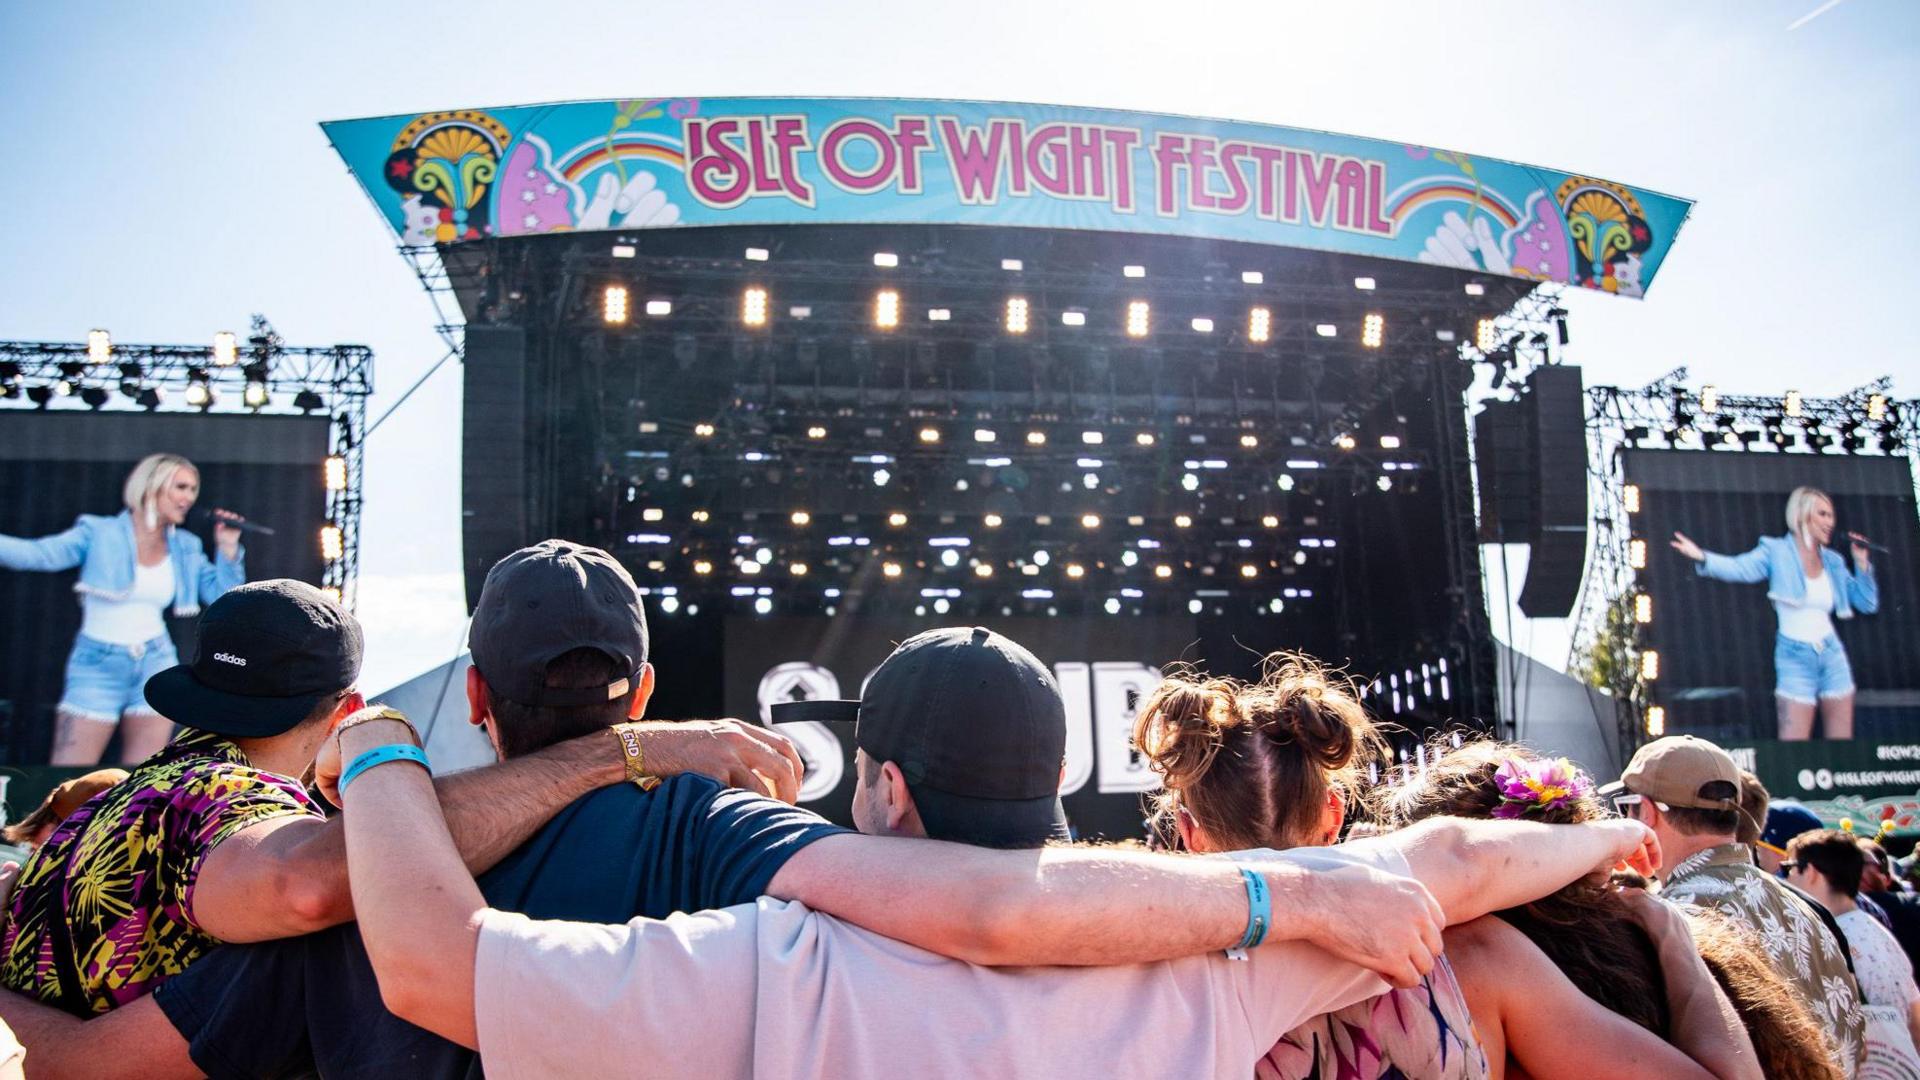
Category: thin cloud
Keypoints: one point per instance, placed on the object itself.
(1812, 15)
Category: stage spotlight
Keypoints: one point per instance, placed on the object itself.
(332, 544)
(1129, 558)
(307, 401)
(1475, 288)
(1656, 721)
(613, 305)
(1183, 521)
(1016, 315)
(1650, 665)
(1248, 570)
(1195, 607)
(1259, 325)
(1133, 271)
(1637, 554)
(1643, 607)
(880, 477)
(798, 569)
(1089, 521)
(1270, 521)
(199, 395)
(40, 395)
(1345, 442)
(1326, 329)
(1249, 441)
(1073, 318)
(886, 259)
(1137, 318)
(1076, 571)
(816, 432)
(1876, 407)
(890, 569)
(991, 521)
(1163, 571)
(1145, 438)
(1365, 284)
(1636, 433)
(1373, 331)
(64, 387)
(702, 567)
(658, 308)
(983, 570)
(949, 556)
(897, 519)
(225, 351)
(1036, 438)
(757, 254)
(800, 517)
(939, 314)
(335, 470)
(983, 435)
(1203, 326)
(1630, 496)
(1012, 265)
(886, 309)
(1190, 482)
(99, 346)
(703, 430)
(255, 394)
(1112, 606)
(1792, 403)
(753, 306)
(1093, 438)
(1385, 483)
(701, 516)
(669, 604)
(1485, 336)
(1284, 482)
(929, 435)
(94, 396)
(762, 604)
(1709, 399)
(148, 398)
(1299, 558)
(1091, 481)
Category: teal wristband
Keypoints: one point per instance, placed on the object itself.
(380, 755)
(1259, 909)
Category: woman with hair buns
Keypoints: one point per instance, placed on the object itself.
(1810, 586)
(134, 567)
(1277, 763)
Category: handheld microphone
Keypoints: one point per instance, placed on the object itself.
(221, 516)
(1868, 544)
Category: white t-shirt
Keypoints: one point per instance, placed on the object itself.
(774, 990)
(1811, 620)
(137, 618)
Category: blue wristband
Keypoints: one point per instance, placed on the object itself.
(1259, 910)
(380, 755)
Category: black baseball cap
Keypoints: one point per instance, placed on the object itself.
(975, 723)
(265, 655)
(547, 600)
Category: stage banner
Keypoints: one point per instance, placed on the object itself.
(1105, 668)
(467, 174)
(1866, 783)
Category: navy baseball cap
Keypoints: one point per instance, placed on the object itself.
(1786, 820)
(547, 600)
(976, 725)
(265, 654)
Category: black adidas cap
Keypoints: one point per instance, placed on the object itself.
(549, 599)
(975, 723)
(266, 653)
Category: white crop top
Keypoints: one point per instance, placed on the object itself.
(137, 618)
(1811, 620)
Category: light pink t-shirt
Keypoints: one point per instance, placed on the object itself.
(774, 990)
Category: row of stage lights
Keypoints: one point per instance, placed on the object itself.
(1879, 410)
(199, 392)
(1017, 317)
(669, 601)
(1648, 665)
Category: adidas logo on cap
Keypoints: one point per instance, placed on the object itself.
(229, 658)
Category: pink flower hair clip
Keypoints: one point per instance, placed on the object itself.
(1543, 785)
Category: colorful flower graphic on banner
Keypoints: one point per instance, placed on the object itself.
(446, 162)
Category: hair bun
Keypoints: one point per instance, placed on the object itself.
(1179, 728)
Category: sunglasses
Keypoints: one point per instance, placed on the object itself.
(1790, 865)
(1623, 802)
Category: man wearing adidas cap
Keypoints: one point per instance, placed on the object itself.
(1687, 790)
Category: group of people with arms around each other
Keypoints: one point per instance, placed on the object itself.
(620, 896)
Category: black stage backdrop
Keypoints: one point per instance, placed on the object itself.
(1104, 666)
(55, 466)
(1716, 639)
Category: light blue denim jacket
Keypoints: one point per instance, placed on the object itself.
(1777, 563)
(103, 549)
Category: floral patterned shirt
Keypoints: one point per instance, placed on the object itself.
(1799, 946)
(104, 910)
(1422, 1033)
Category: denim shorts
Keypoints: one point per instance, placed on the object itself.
(104, 681)
(1805, 673)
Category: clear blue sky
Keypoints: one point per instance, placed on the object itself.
(168, 177)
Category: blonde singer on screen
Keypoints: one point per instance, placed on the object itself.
(1809, 584)
(134, 567)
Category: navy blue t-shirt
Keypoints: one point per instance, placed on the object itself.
(311, 1004)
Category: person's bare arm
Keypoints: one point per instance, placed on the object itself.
(1092, 905)
(1474, 867)
(1546, 1023)
(134, 1042)
(288, 876)
(419, 910)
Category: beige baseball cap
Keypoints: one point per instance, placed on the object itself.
(1681, 770)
